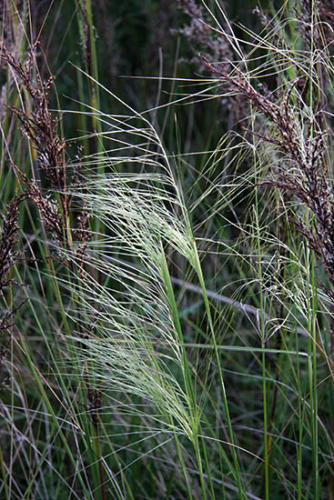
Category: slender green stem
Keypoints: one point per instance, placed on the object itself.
(198, 268)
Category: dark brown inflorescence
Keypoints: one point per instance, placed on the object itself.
(302, 141)
(8, 256)
(39, 126)
(42, 130)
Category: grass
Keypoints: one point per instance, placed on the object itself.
(166, 262)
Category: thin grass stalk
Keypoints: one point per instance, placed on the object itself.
(301, 416)
(183, 466)
(200, 276)
(263, 344)
(186, 371)
(208, 467)
(262, 319)
(11, 334)
(311, 264)
(87, 30)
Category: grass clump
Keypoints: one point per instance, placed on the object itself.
(167, 314)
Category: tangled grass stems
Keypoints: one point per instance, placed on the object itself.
(151, 381)
(140, 220)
